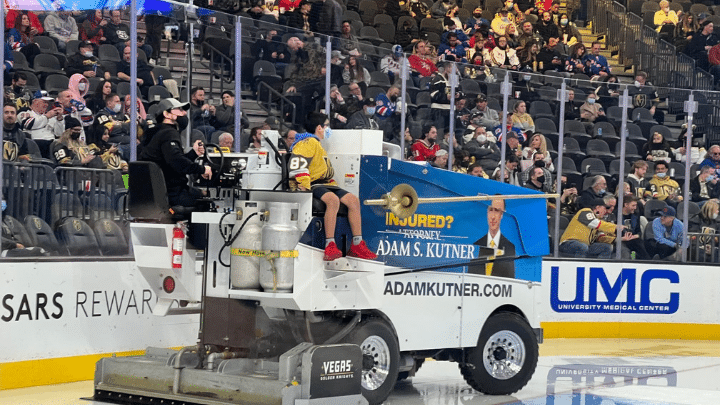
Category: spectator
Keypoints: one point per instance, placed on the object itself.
(355, 100)
(407, 33)
(569, 34)
(445, 143)
(96, 102)
(385, 114)
(338, 109)
(355, 71)
(477, 170)
(71, 150)
(512, 165)
(684, 32)
(349, 43)
(453, 50)
(420, 62)
(712, 158)
(701, 43)
(441, 159)
(336, 68)
(115, 120)
(306, 72)
(596, 64)
(22, 38)
(608, 92)
(225, 114)
(425, 148)
(704, 186)
(708, 218)
(572, 110)
(15, 146)
(537, 180)
(390, 64)
(300, 17)
(521, 119)
(11, 17)
(638, 185)
(141, 114)
(35, 121)
(440, 95)
(452, 26)
(591, 111)
(269, 48)
(528, 56)
(587, 235)
(330, 22)
(631, 221)
(668, 236)
(527, 35)
(117, 33)
(502, 55)
(526, 6)
(697, 152)
(476, 21)
(418, 10)
(61, 27)
(8, 63)
(365, 118)
(109, 153)
(476, 70)
(665, 19)
(644, 95)
(538, 161)
(575, 63)
(145, 78)
(254, 140)
(596, 191)
(17, 92)
(549, 59)
(568, 198)
(226, 142)
(663, 187)
(486, 153)
(489, 118)
(547, 28)
(154, 27)
(85, 63)
(440, 8)
(502, 19)
(657, 149)
(513, 147)
(202, 114)
(538, 144)
(92, 29)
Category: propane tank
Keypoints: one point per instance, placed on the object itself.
(267, 174)
(178, 245)
(244, 269)
(279, 234)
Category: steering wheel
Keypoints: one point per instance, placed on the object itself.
(206, 159)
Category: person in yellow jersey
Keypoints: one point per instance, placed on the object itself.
(588, 236)
(310, 167)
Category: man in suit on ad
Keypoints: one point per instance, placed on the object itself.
(498, 242)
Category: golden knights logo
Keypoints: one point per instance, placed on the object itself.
(10, 151)
(641, 100)
(37, 223)
(77, 225)
(107, 227)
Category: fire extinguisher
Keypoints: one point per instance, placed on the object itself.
(178, 245)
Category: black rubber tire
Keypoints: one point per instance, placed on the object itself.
(474, 371)
(368, 335)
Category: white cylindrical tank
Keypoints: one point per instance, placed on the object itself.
(279, 234)
(244, 268)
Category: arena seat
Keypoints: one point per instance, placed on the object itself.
(110, 238)
(17, 230)
(78, 237)
(42, 235)
(147, 194)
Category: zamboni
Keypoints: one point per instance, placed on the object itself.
(456, 279)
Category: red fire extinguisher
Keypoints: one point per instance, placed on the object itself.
(178, 245)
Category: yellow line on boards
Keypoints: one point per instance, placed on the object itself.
(31, 373)
(682, 331)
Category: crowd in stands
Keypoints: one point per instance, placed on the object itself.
(87, 123)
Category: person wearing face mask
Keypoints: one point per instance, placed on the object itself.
(663, 187)
(476, 21)
(385, 113)
(657, 149)
(115, 120)
(311, 170)
(644, 95)
(596, 191)
(162, 145)
(665, 19)
(569, 34)
(61, 27)
(537, 180)
(71, 150)
(486, 153)
(502, 19)
(704, 186)
(365, 118)
(591, 111)
(708, 218)
(17, 92)
(84, 63)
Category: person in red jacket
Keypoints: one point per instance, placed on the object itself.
(11, 15)
(420, 61)
(425, 148)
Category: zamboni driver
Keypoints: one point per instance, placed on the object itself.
(310, 167)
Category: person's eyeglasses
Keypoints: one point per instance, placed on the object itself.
(715, 153)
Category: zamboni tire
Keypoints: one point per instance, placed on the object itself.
(505, 357)
(381, 355)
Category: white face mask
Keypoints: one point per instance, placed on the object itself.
(482, 138)
(117, 108)
(714, 216)
(637, 83)
(661, 175)
(88, 54)
(81, 86)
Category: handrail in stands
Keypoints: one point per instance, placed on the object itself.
(226, 71)
(271, 94)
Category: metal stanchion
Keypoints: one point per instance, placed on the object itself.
(403, 108)
(624, 102)
(561, 128)
(453, 87)
(133, 80)
(691, 107)
(238, 85)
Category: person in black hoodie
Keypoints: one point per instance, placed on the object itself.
(162, 145)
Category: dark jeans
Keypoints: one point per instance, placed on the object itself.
(574, 248)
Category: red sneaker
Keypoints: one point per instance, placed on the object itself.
(332, 252)
(361, 251)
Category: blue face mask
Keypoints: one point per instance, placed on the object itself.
(371, 110)
(602, 191)
(661, 175)
(328, 132)
(4, 205)
(591, 101)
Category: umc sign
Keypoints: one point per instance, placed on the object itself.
(596, 293)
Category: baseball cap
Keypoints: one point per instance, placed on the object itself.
(273, 122)
(668, 212)
(441, 152)
(369, 101)
(71, 122)
(85, 44)
(42, 94)
(481, 98)
(337, 54)
(168, 104)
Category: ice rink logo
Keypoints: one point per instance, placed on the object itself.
(598, 290)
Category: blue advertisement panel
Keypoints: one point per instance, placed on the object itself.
(442, 234)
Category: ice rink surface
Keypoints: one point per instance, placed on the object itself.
(570, 371)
